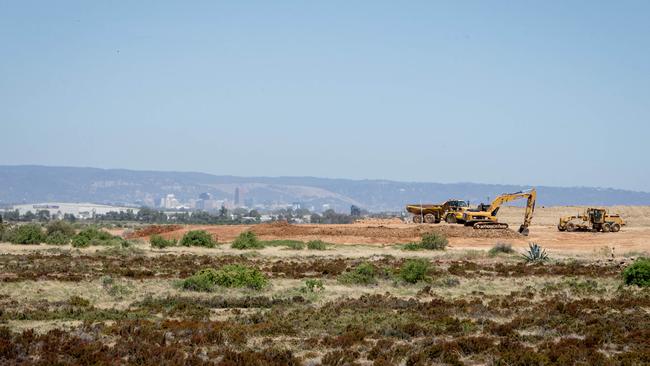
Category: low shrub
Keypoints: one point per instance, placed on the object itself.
(313, 285)
(501, 248)
(233, 275)
(59, 226)
(27, 234)
(290, 244)
(316, 245)
(415, 270)
(362, 274)
(198, 238)
(57, 238)
(412, 246)
(638, 273)
(434, 241)
(247, 240)
(93, 236)
(429, 241)
(159, 242)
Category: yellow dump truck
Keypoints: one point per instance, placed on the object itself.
(450, 211)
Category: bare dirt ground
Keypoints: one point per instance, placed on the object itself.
(634, 237)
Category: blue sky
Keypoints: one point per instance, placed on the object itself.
(522, 92)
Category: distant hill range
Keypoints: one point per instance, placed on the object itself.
(30, 184)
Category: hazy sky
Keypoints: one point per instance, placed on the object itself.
(522, 92)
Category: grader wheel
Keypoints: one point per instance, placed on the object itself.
(570, 227)
(451, 219)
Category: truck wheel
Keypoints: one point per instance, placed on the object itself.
(570, 227)
(616, 228)
(429, 218)
(606, 228)
(451, 219)
(417, 219)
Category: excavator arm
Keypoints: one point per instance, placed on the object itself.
(530, 195)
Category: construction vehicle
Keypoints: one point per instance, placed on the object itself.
(593, 219)
(451, 211)
(485, 217)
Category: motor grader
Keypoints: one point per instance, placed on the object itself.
(451, 211)
(485, 217)
(594, 220)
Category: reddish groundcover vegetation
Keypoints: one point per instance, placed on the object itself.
(152, 230)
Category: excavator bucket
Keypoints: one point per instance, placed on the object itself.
(523, 230)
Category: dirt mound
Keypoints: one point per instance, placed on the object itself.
(374, 221)
(152, 230)
(378, 232)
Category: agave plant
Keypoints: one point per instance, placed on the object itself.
(535, 253)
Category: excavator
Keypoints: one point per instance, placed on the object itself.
(485, 216)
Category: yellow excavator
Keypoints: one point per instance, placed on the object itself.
(485, 217)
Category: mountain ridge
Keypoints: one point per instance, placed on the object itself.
(38, 183)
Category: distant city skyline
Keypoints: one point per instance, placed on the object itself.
(547, 93)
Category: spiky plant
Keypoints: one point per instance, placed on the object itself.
(535, 254)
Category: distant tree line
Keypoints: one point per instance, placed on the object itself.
(222, 216)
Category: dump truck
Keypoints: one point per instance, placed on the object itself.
(451, 211)
(485, 217)
(594, 220)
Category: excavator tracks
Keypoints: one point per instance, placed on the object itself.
(490, 226)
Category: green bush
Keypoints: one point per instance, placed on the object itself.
(638, 273)
(363, 274)
(159, 242)
(290, 244)
(316, 245)
(93, 236)
(27, 234)
(429, 241)
(233, 275)
(63, 227)
(313, 285)
(501, 248)
(247, 240)
(434, 241)
(198, 238)
(57, 238)
(414, 270)
(412, 246)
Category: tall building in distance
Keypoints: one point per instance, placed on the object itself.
(237, 197)
(169, 201)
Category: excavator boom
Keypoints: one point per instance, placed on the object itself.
(487, 219)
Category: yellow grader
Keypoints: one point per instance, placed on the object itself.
(594, 220)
